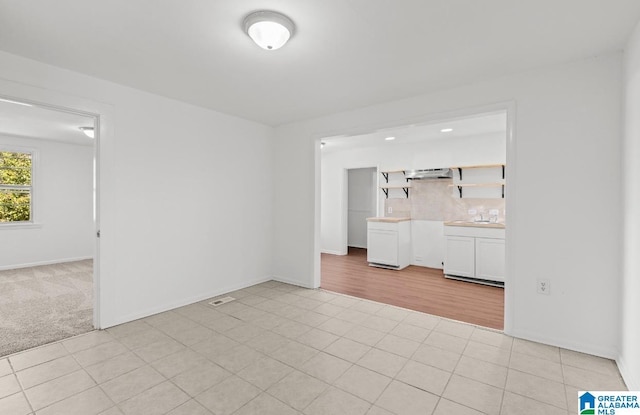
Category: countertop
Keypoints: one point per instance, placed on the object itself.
(474, 224)
(388, 220)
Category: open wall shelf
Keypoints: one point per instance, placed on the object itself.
(477, 177)
(404, 187)
(385, 189)
(493, 176)
(484, 166)
(461, 186)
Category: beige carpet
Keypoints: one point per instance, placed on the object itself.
(40, 305)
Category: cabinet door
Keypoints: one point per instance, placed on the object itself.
(460, 256)
(382, 247)
(427, 241)
(490, 258)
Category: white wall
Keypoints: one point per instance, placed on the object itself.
(436, 153)
(62, 208)
(629, 360)
(183, 215)
(566, 150)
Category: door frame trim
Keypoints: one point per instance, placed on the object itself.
(104, 150)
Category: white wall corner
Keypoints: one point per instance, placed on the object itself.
(629, 336)
(632, 382)
(292, 282)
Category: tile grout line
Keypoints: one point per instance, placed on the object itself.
(318, 350)
(506, 379)
(98, 385)
(440, 397)
(22, 390)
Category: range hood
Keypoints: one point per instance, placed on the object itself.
(428, 174)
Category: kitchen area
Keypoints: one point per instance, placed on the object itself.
(450, 218)
(436, 242)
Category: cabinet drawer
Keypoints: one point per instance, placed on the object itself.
(382, 226)
(474, 232)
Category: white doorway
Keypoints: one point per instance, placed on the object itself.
(361, 204)
(48, 273)
(472, 140)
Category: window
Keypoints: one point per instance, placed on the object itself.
(15, 186)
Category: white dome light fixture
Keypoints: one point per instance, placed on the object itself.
(88, 131)
(270, 30)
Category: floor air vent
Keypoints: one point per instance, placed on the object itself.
(221, 301)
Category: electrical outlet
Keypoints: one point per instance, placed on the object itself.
(544, 286)
(494, 212)
(389, 209)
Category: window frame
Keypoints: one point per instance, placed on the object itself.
(33, 214)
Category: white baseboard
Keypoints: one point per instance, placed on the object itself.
(608, 353)
(41, 263)
(292, 282)
(182, 302)
(632, 382)
(330, 252)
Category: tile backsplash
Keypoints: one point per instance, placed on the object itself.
(435, 200)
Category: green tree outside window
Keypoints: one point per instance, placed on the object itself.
(15, 186)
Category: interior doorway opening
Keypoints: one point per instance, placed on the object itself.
(48, 272)
(362, 203)
(468, 146)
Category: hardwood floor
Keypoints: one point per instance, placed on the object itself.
(416, 288)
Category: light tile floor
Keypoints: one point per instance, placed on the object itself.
(281, 349)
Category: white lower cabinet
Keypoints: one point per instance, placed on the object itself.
(389, 244)
(490, 259)
(427, 243)
(382, 247)
(460, 256)
(473, 252)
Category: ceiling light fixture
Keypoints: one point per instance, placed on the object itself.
(88, 131)
(10, 101)
(446, 130)
(270, 30)
(390, 138)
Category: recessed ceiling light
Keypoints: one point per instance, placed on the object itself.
(390, 138)
(10, 101)
(446, 130)
(88, 131)
(270, 30)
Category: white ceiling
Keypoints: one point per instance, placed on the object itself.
(345, 53)
(43, 123)
(493, 123)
